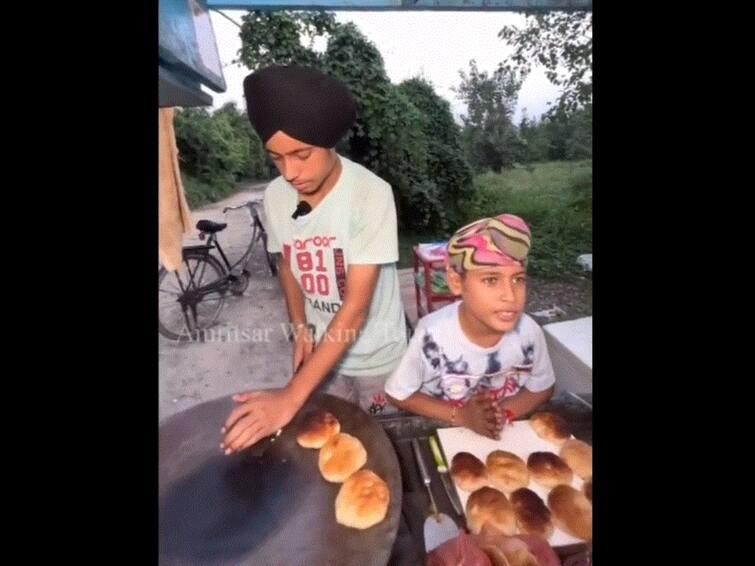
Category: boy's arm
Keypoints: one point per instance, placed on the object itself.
(261, 413)
(427, 406)
(525, 401)
(341, 333)
(292, 293)
(303, 340)
(480, 413)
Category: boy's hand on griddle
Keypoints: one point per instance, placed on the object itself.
(258, 415)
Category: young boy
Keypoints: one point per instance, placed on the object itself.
(481, 361)
(334, 222)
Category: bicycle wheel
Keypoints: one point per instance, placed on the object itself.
(181, 318)
(239, 283)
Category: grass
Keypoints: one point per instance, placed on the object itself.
(554, 198)
(199, 193)
(537, 190)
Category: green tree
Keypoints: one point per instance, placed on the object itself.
(580, 141)
(569, 134)
(390, 136)
(490, 137)
(562, 43)
(534, 140)
(270, 38)
(256, 164)
(209, 147)
(446, 164)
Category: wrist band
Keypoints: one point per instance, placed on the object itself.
(456, 405)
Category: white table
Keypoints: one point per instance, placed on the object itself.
(570, 349)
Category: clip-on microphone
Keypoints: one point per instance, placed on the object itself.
(302, 209)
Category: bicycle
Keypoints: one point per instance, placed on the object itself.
(190, 301)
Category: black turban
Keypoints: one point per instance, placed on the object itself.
(304, 103)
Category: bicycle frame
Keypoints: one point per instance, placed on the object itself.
(247, 255)
(191, 295)
(199, 264)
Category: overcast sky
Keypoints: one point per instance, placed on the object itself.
(435, 45)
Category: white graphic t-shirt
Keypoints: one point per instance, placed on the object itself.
(441, 361)
(355, 224)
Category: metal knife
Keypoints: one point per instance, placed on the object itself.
(259, 448)
(444, 476)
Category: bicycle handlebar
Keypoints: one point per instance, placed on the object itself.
(251, 204)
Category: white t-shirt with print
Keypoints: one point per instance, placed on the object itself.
(442, 362)
(355, 224)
